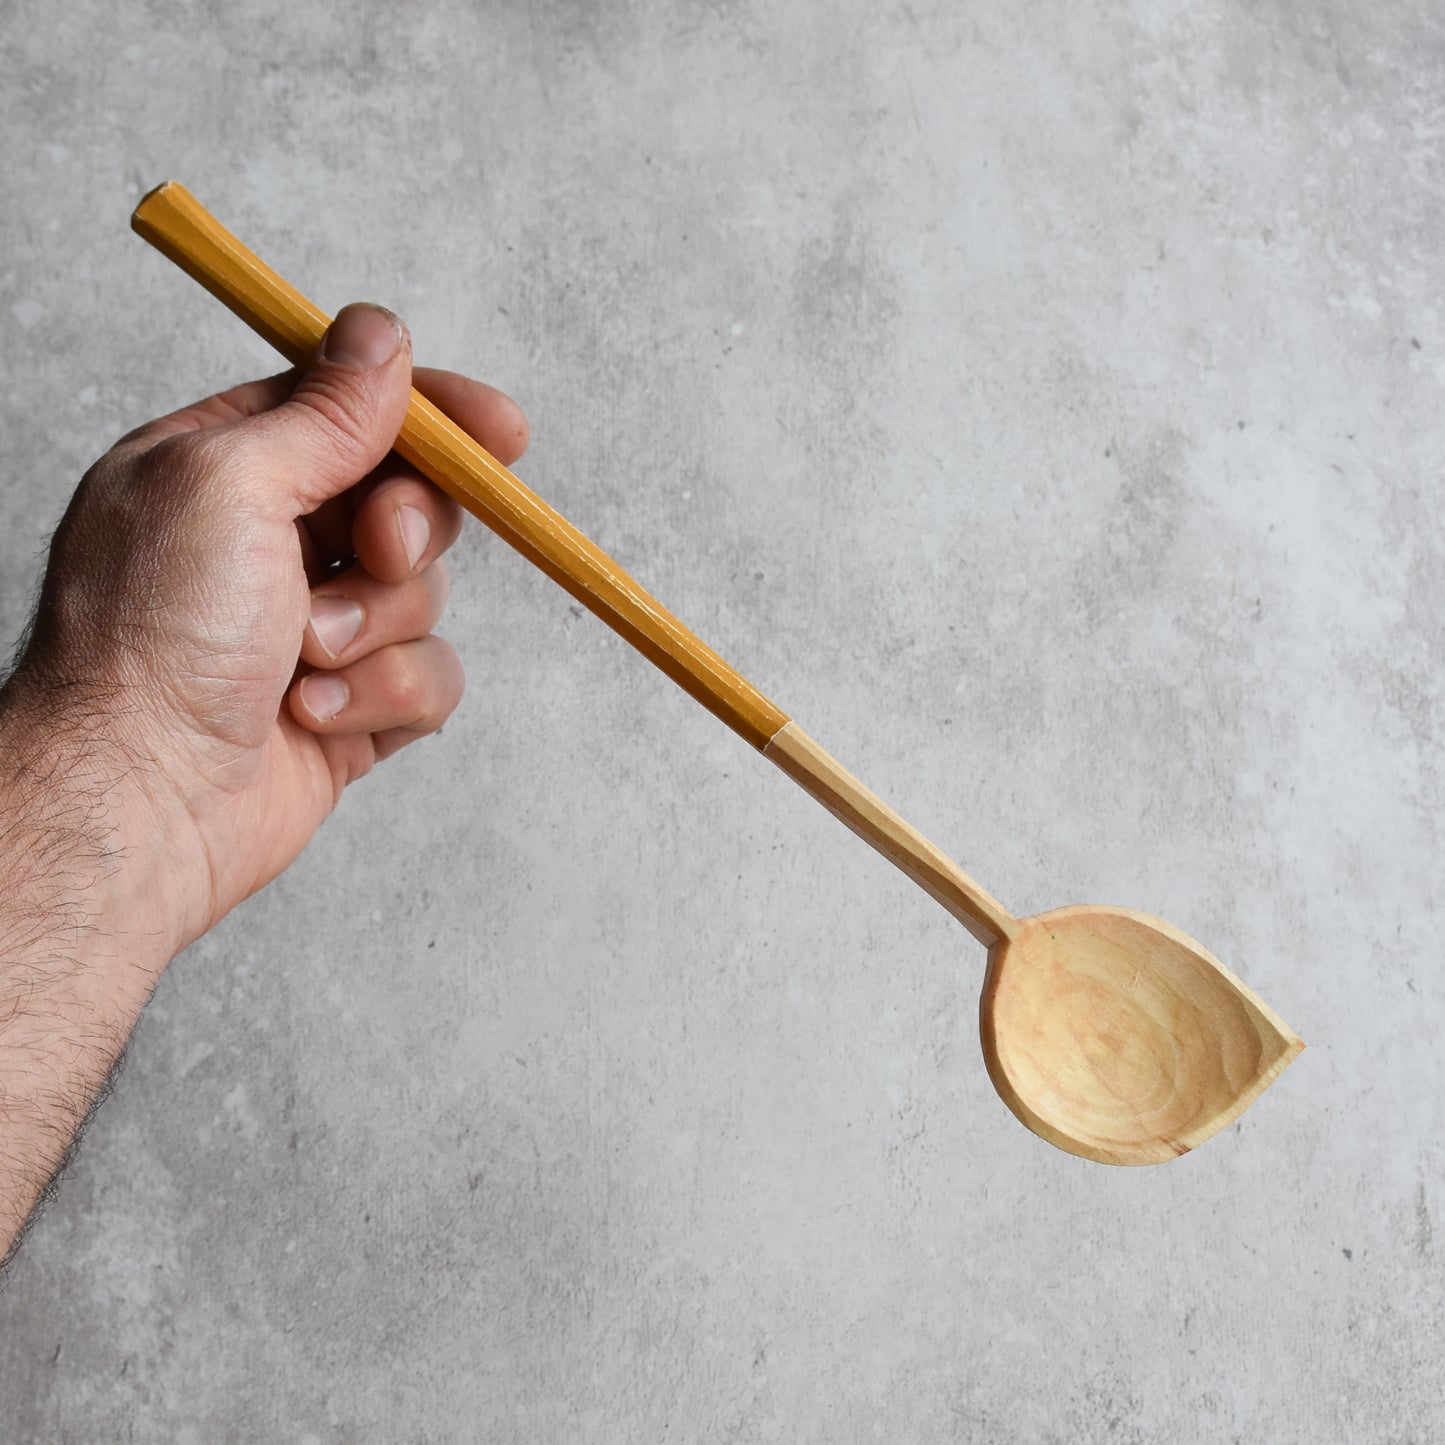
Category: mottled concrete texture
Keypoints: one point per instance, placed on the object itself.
(1044, 403)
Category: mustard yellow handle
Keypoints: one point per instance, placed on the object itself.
(174, 222)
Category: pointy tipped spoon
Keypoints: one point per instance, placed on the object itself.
(1107, 1032)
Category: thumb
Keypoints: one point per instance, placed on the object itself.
(343, 416)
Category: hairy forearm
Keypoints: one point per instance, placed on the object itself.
(78, 957)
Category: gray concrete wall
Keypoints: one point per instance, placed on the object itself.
(1044, 403)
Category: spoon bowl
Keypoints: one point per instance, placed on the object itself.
(1118, 1038)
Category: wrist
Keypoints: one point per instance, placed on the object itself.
(80, 946)
(84, 845)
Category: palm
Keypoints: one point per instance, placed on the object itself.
(267, 782)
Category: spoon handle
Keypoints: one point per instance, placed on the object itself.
(174, 222)
(822, 775)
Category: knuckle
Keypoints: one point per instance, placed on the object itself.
(187, 464)
(339, 416)
(408, 684)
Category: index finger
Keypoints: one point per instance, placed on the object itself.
(247, 399)
(489, 415)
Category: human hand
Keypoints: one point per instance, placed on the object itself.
(236, 620)
(235, 624)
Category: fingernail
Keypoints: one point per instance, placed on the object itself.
(415, 533)
(363, 336)
(324, 695)
(335, 621)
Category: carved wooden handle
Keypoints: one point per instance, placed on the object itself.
(173, 221)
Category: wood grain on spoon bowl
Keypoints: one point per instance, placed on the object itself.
(1116, 1037)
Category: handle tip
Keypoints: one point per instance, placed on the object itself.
(163, 194)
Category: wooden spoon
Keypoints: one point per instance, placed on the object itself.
(1107, 1032)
